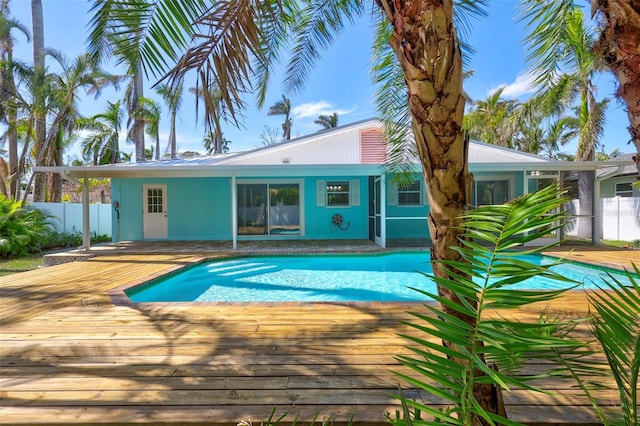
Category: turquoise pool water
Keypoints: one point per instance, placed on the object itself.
(334, 278)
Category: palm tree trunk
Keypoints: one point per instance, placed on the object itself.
(37, 23)
(426, 45)
(56, 178)
(619, 44)
(138, 125)
(14, 170)
(172, 134)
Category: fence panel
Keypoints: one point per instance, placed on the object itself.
(621, 218)
(69, 217)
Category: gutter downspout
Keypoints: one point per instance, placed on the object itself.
(86, 229)
(597, 222)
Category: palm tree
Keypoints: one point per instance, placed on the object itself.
(603, 156)
(122, 41)
(568, 46)
(283, 107)
(102, 146)
(214, 115)
(80, 74)
(490, 120)
(559, 133)
(239, 44)
(213, 142)
(327, 121)
(151, 113)
(37, 27)
(8, 103)
(618, 45)
(172, 96)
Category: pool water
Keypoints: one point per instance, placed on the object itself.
(326, 278)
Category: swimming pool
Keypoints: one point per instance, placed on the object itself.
(323, 278)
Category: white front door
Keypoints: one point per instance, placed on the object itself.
(154, 207)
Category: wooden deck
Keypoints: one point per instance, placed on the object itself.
(70, 356)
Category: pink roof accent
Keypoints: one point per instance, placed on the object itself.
(373, 149)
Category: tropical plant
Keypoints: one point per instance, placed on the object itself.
(486, 278)
(215, 144)
(603, 156)
(565, 66)
(102, 145)
(327, 121)
(40, 96)
(616, 325)
(8, 104)
(22, 230)
(79, 74)
(489, 120)
(150, 111)
(283, 107)
(122, 41)
(172, 96)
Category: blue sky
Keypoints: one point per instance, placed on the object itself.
(340, 82)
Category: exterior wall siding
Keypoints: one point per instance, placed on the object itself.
(198, 208)
(608, 186)
(318, 218)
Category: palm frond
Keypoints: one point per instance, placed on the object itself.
(616, 325)
(161, 29)
(486, 278)
(315, 27)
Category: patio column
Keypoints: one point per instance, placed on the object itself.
(596, 224)
(234, 213)
(383, 209)
(86, 229)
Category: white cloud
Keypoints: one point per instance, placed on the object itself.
(315, 109)
(523, 85)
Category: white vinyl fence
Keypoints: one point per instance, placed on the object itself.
(68, 217)
(620, 218)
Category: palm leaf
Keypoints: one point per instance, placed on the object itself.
(484, 279)
(616, 325)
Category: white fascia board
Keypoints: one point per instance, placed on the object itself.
(217, 171)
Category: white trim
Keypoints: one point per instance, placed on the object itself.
(234, 213)
(354, 192)
(383, 210)
(510, 179)
(321, 196)
(406, 217)
(301, 201)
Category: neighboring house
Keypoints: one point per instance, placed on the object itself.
(327, 185)
(618, 180)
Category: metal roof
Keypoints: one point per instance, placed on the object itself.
(328, 151)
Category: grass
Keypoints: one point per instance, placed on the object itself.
(21, 264)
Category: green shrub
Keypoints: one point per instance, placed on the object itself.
(72, 239)
(22, 230)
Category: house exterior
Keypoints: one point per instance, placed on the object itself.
(328, 185)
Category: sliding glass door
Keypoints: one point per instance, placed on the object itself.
(269, 209)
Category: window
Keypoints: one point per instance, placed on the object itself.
(624, 189)
(409, 195)
(269, 209)
(154, 200)
(490, 192)
(337, 193)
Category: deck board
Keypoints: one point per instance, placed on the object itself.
(70, 356)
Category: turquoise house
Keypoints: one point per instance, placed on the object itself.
(328, 185)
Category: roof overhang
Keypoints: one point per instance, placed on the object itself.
(147, 170)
